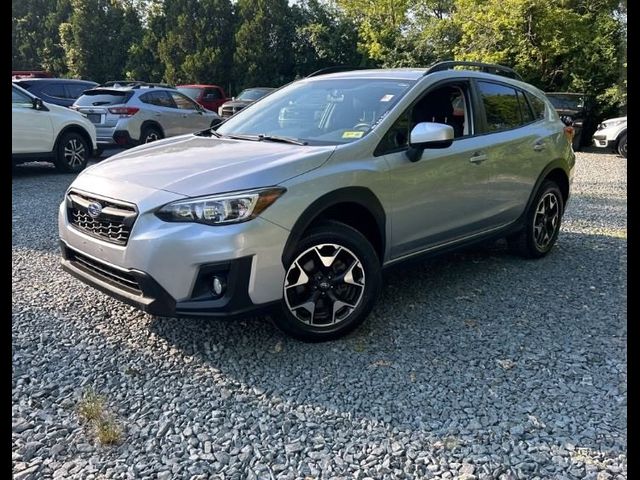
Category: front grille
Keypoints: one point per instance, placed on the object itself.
(105, 272)
(111, 222)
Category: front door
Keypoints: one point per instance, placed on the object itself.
(31, 129)
(441, 197)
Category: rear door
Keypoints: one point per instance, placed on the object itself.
(31, 129)
(519, 148)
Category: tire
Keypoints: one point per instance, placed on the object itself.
(150, 134)
(543, 221)
(622, 145)
(72, 153)
(98, 152)
(332, 282)
(577, 142)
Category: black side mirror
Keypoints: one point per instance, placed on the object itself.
(215, 122)
(38, 105)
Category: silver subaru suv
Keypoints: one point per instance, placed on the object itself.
(130, 113)
(303, 198)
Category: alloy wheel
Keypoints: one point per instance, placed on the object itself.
(324, 285)
(151, 137)
(74, 153)
(546, 221)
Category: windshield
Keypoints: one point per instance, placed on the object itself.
(566, 102)
(190, 92)
(252, 94)
(319, 112)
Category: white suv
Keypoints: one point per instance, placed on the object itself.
(612, 134)
(43, 131)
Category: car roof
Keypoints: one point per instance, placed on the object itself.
(198, 85)
(379, 73)
(50, 80)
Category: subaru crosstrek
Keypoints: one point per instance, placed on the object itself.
(304, 215)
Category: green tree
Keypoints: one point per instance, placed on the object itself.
(324, 37)
(197, 41)
(98, 37)
(264, 39)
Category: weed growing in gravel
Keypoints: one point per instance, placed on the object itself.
(92, 408)
(108, 431)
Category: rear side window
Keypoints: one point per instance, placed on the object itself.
(527, 114)
(212, 94)
(501, 106)
(56, 90)
(98, 97)
(538, 106)
(75, 90)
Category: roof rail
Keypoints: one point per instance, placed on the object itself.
(336, 69)
(484, 67)
(134, 84)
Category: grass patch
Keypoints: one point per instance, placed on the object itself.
(92, 409)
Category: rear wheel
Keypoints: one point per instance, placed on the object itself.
(622, 145)
(331, 284)
(542, 223)
(72, 153)
(150, 134)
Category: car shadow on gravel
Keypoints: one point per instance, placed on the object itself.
(481, 343)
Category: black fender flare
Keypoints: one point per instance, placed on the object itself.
(361, 196)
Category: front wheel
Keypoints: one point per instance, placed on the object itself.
(622, 145)
(72, 153)
(542, 223)
(332, 282)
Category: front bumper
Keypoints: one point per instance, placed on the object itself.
(602, 141)
(142, 291)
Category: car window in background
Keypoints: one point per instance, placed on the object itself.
(55, 90)
(75, 90)
(20, 99)
(183, 102)
(501, 106)
(190, 92)
(99, 97)
(212, 94)
(252, 94)
(566, 102)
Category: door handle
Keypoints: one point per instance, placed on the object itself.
(539, 146)
(478, 157)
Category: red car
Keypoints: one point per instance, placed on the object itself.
(209, 96)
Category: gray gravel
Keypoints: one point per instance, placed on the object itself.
(476, 365)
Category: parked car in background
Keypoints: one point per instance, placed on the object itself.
(612, 134)
(210, 97)
(125, 116)
(575, 110)
(18, 74)
(246, 97)
(59, 91)
(44, 131)
(383, 166)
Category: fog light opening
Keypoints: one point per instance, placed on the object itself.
(218, 286)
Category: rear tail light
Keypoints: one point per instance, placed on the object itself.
(569, 132)
(124, 111)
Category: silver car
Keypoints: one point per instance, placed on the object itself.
(379, 166)
(129, 115)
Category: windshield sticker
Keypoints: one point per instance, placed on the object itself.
(387, 98)
(352, 134)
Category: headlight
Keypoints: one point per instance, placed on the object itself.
(220, 209)
(610, 123)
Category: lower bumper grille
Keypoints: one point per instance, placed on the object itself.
(106, 272)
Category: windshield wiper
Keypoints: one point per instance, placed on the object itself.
(276, 138)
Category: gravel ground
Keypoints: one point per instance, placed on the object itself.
(473, 365)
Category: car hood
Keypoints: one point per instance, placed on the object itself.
(238, 103)
(193, 165)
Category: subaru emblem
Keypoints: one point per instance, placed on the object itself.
(94, 209)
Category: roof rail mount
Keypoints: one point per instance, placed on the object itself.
(336, 69)
(134, 84)
(484, 67)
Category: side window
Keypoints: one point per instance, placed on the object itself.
(56, 90)
(160, 99)
(19, 99)
(74, 91)
(183, 102)
(527, 114)
(212, 94)
(448, 104)
(538, 106)
(501, 106)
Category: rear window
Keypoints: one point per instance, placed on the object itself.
(75, 90)
(98, 97)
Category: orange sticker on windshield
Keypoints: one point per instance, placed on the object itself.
(352, 134)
